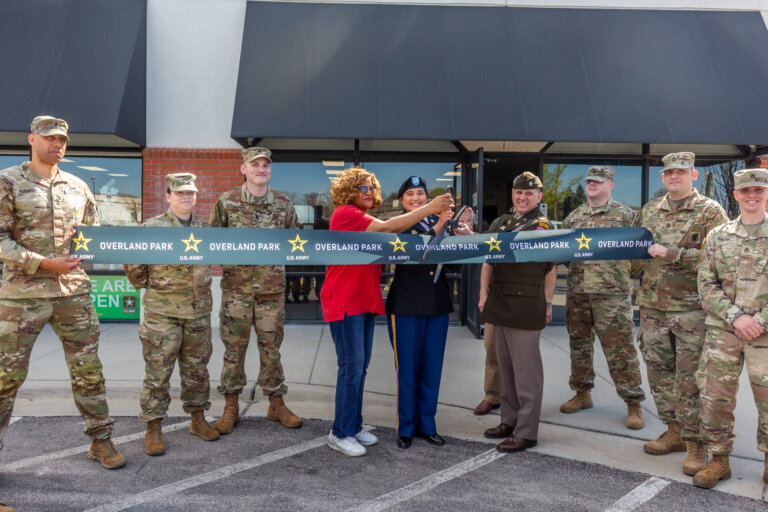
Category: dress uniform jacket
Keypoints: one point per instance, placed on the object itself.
(413, 290)
(516, 293)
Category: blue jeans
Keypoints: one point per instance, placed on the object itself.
(353, 338)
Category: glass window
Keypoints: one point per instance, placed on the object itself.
(308, 185)
(564, 186)
(714, 180)
(115, 183)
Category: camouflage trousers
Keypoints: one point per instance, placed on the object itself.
(671, 343)
(75, 322)
(610, 317)
(718, 378)
(266, 313)
(165, 339)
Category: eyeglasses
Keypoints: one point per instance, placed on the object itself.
(365, 189)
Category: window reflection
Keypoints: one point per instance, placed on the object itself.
(714, 181)
(308, 185)
(564, 186)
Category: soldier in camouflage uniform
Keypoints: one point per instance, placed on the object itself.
(177, 324)
(39, 207)
(733, 283)
(599, 302)
(253, 296)
(671, 319)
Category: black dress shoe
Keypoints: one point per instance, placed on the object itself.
(434, 439)
(404, 442)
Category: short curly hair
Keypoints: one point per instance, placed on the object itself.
(344, 188)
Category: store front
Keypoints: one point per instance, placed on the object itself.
(466, 96)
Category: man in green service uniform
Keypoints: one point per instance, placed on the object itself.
(253, 296)
(517, 299)
(733, 282)
(40, 205)
(177, 325)
(671, 319)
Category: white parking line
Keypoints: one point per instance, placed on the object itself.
(31, 461)
(14, 419)
(639, 495)
(409, 491)
(169, 490)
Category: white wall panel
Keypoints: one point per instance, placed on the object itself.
(193, 54)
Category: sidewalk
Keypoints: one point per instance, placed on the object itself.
(596, 435)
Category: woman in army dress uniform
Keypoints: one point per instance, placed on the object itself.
(417, 316)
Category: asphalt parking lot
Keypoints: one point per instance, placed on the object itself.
(263, 466)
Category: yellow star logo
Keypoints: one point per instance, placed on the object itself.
(191, 243)
(583, 242)
(398, 244)
(297, 243)
(493, 244)
(81, 242)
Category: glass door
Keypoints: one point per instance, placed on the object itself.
(472, 187)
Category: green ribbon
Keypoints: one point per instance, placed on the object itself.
(238, 246)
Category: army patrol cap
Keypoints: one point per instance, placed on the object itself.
(682, 160)
(412, 182)
(47, 125)
(181, 181)
(599, 173)
(527, 181)
(750, 178)
(251, 154)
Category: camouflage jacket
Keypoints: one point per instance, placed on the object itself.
(733, 278)
(600, 277)
(36, 215)
(180, 291)
(669, 283)
(238, 209)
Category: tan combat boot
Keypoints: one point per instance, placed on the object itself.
(105, 452)
(201, 428)
(6, 508)
(277, 411)
(231, 415)
(634, 416)
(765, 471)
(153, 439)
(582, 400)
(718, 469)
(669, 441)
(696, 459)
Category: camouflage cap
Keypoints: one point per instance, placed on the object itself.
(47, 125)
(682, 160)
(527, 180)
(750, 178)
(181, 181)
(251, 154)
(599, 173)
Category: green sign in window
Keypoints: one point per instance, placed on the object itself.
(114, 297)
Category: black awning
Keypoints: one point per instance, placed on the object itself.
(502, 73)
(81, 60)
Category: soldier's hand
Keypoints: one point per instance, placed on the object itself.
(483, 298)
(657, 251)
(440, 203)
(60, 265)
(746, 327)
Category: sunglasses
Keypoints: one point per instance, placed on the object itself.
(365, 189)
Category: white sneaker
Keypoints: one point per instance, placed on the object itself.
(365, 438)
(346, 445)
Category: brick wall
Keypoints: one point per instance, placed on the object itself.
(217, 171)
(762, 161)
